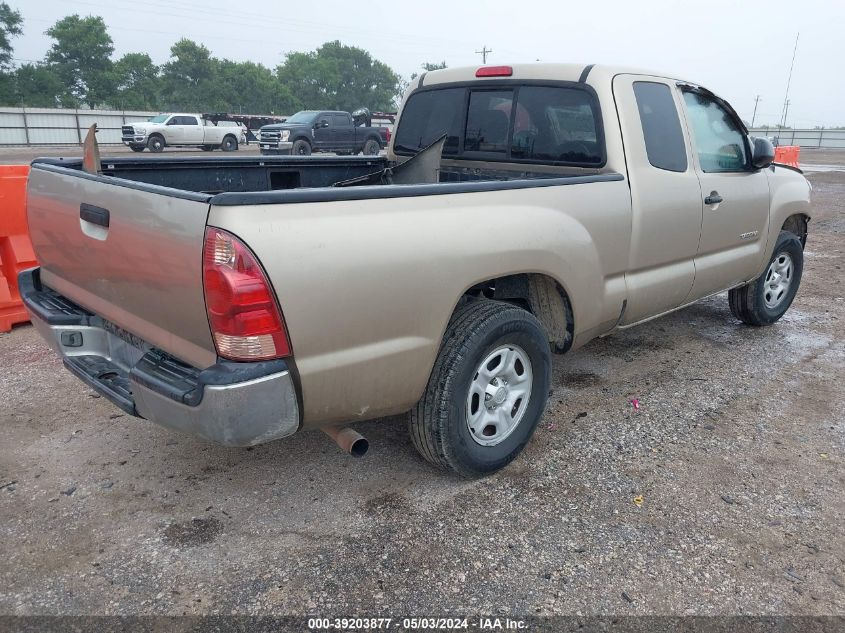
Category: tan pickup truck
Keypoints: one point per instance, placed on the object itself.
(520, 211)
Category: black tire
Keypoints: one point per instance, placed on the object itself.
(301, 147)
(207, 148)
(372, 147)
(229, 144)
(753, 302)
(137, 148)
(156, 143)
(438, 423)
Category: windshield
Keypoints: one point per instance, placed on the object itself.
(305, 116)
(161, 118)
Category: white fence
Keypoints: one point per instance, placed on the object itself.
(820, 139)
(51, 126)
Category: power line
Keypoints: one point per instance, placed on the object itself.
(484, 52)
(789, 81)
(754, 116)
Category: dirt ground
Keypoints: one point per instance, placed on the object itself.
(723, 494)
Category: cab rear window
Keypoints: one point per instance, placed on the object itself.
(529, 123)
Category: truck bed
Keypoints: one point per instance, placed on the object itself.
(250, 175)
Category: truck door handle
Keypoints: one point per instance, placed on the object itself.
(94, 215)
(713, 198)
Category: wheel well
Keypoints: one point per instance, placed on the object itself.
(541, 295)
(797, 224)
(158, 134)
(230, 136)
(301, 138)
(374, 138)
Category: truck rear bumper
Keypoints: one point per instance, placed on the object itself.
(234, 404)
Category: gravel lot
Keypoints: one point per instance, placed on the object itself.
(723, 494)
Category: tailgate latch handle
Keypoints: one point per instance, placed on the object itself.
(94, 215)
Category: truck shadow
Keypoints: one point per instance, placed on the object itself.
(307, 472)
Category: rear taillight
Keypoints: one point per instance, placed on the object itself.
(242, 310)
(388, 134)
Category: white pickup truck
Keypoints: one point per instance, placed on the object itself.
(520, 212)
(179, 130)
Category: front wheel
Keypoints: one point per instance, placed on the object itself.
(767, 298)
(301, 147)
(156, 144)
(229, 144)
(137, 148)
(487, 391)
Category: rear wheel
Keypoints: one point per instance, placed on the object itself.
(156, 144)
(487, 391)
(301, 147)
(229, 144)
(372, 147)
(767, 298)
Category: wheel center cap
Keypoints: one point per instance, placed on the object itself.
(501, 395)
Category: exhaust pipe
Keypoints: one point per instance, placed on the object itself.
(349, 440)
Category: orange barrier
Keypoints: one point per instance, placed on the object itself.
(16, 253)
(787, 155)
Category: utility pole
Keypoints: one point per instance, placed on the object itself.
(754, 116)
(789, 81)
(484, 52)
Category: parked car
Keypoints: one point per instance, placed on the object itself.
(179, 130)
(520, 211)
(324, 131)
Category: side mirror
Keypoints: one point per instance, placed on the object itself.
(762, 152)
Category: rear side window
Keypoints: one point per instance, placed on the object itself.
(664, 140)
(429, 115)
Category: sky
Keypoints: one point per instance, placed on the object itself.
(738, 49)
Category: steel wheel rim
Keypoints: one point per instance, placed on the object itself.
(778, 280)
(498, 395)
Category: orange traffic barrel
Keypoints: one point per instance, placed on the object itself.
(787, 155)
(16, 253)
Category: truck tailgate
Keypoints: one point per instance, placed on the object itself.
(128, 252)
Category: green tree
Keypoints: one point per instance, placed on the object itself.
(339, 77)
(136, 83)
(250, 88)
(81, 57)
(10, 26)
(429, 66)
(38, 86)
(188, 80)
